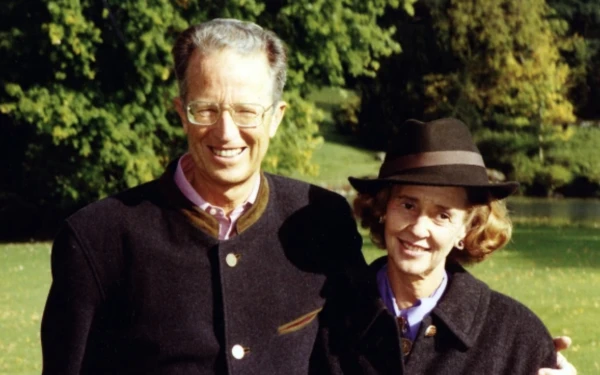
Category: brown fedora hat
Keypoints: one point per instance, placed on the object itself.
(438, 153)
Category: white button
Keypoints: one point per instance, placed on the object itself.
(212, 211)
(238, 352)
(231, 260)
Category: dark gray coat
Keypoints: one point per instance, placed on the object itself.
(142, 285)
(478, 331)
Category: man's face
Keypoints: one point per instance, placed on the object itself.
(225, 155)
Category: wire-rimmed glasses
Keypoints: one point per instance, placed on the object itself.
(244, 115)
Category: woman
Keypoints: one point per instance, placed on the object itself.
(418, 311)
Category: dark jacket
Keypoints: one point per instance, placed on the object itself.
(142, 285)
(477, 331)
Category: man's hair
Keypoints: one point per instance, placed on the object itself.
(243, 37)
(488, 225)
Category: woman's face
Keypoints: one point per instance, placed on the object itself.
(422, 225)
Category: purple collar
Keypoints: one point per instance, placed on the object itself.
(415, 314)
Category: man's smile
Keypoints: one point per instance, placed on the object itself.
(227, 152)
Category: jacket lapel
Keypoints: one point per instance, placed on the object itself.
(374, 331)
(466, 300)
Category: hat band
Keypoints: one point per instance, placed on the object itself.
(430, 159)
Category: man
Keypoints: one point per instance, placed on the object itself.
(216, 267)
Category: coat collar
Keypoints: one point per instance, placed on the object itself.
(461, 309)
(464, 305)
(203, 220)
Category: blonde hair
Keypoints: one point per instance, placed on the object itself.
(489, 227)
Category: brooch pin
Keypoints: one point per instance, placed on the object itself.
(406, 346)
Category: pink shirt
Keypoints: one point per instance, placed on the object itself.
(226, 224)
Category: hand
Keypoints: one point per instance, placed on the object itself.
(562, 364)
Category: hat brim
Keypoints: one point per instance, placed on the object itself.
(373, 185)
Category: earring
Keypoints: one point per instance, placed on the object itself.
(381, 219)
(460, 245)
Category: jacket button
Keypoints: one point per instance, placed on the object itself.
(238, 351)
(430, 331)
(212, 211)
(231, 259)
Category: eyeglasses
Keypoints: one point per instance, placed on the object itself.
(244, 115)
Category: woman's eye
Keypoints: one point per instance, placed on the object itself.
(407, 205)
(444, 216)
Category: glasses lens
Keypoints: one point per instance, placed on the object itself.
(244, 115)
(203, 113)
(247, 114)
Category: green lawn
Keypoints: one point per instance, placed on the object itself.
(553, 270)
(24, 282)
(337, 161)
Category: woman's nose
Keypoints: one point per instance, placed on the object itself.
(420, 226)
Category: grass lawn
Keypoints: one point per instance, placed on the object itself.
(339, 156)
(553, 270)
(24, 282)
(337, 161)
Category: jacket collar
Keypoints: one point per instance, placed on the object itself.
(461, 309)
(203, 220)
(464, 305)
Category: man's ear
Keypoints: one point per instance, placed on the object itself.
(277, 117)
(178, 103)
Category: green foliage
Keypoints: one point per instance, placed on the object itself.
(346, 34)
(345, 116)
(583, 53)
(296, 139)
(580, 154)
(88, 89)
(554, 176)
(396, 93)
(500, 66)
(511, 69)
(526, 169)
(566, 161)
(97, 112)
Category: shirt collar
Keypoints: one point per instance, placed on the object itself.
(186, 163)
(414, 314)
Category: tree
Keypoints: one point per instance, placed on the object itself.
(497, 65)
(582, 53)
(511, 68)
(86, 98)
(397, 92)
(513, 74)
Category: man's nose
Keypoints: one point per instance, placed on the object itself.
(225, 126)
